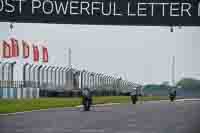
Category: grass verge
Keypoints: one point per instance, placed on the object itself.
(13, 105)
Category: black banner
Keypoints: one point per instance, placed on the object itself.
(103, 12)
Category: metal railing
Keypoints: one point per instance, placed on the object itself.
(58, 78)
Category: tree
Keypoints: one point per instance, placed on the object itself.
(189, 83)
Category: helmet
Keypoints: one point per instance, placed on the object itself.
(85, 92)
(133, 92)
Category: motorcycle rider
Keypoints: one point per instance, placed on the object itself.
(172, 93)
(134, 95)
(86, 98)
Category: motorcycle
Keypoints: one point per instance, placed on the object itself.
(134, 96)
(172, 96)
(86, 99)
(87, 103)
(134, 99)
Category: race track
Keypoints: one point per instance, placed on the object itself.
(149, 117)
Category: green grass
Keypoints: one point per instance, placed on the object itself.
(13, 105)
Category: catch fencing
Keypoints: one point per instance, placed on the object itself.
(38, 80)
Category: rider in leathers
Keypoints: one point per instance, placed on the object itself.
(134, 96)
(172, 94)
(87, 96)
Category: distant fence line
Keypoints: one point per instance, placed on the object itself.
(57, 78)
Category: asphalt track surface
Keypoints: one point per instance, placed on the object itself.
(149, 117)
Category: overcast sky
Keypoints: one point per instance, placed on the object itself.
(140, 54)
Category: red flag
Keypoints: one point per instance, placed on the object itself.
(45, 54)
(35, 53)
(15, 47)
(6, 50)
(25, 49)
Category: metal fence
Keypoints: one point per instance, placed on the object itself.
(60, 79)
